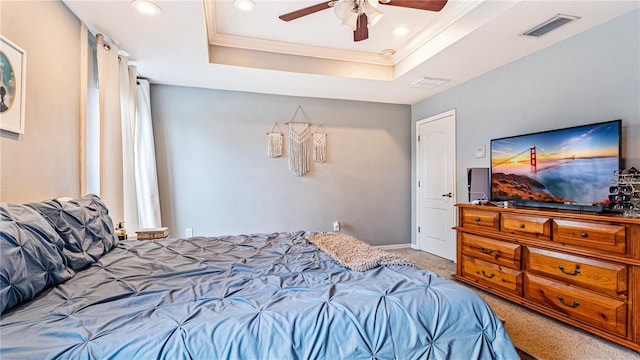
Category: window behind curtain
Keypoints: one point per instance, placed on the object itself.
(92, 135)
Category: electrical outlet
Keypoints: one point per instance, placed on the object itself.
(336, 225)
(188, 232)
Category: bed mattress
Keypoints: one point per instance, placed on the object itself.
(258, 296)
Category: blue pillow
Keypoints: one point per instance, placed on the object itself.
(84, 225)
(31, 258)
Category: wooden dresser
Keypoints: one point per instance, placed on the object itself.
(582, 269)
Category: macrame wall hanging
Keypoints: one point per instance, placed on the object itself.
(274, 146)
(299, 148)
(299, 138)
(319, 145)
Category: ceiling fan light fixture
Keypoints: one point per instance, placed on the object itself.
(348, 12)
(342, 8)
(244, 5)
(351, 20)
(360, 15)
(373, 14)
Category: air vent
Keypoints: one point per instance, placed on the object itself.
(551, 25)
(428, 83)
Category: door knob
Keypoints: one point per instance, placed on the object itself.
(448, 195)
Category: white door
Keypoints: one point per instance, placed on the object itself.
(436, 168)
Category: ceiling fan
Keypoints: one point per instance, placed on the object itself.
(359, 15)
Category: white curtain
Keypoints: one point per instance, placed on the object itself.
(90, 181)
(145, 159)
(129, 183)
(111, 174)
(127, 92)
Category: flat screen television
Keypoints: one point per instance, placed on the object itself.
(564, 168)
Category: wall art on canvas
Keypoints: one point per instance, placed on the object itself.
(13, 61)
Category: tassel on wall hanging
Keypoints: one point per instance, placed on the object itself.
(274, 146)
(299, 148)
(299, 145)
(319, 145)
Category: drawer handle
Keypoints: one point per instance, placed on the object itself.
(574, 273)
(477, 219)
(486, 251)
(583, 234)
(521, 226)
(575, 302)
(488, 276)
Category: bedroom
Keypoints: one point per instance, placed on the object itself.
(39, 166)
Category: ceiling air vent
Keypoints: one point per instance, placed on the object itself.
(428, 83)
(551, 25)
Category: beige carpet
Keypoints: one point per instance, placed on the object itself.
(539, 335)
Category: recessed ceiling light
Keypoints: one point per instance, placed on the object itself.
(400, 31)
(146, 7)
(244, 5)
(387, 52)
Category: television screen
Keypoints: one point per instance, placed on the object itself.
(566, 166)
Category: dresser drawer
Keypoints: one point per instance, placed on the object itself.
(525, 225)
(492, 275)
(479, 219)
(602, 276)
(604, 312)
(601, 236)
(495, 251)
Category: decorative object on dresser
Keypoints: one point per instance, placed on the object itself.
(582, 269)
(478, 184)
(625, 193)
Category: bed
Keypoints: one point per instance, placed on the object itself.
(71, 290)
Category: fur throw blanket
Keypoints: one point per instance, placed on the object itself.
(353, 253)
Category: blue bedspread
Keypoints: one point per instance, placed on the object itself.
(262, 296)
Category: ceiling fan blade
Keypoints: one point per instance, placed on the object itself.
(362, 30)
(305, 11)
(431, 5)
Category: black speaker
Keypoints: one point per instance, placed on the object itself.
(478, 183)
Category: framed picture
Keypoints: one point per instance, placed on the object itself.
(13, 68)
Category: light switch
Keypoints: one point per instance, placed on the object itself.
(480, 151)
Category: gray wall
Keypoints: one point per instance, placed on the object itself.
(215, 176)
(592, 77)
(44, 162)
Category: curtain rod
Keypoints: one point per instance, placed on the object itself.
(100, 38)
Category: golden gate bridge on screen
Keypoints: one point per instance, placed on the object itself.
(534, 158)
